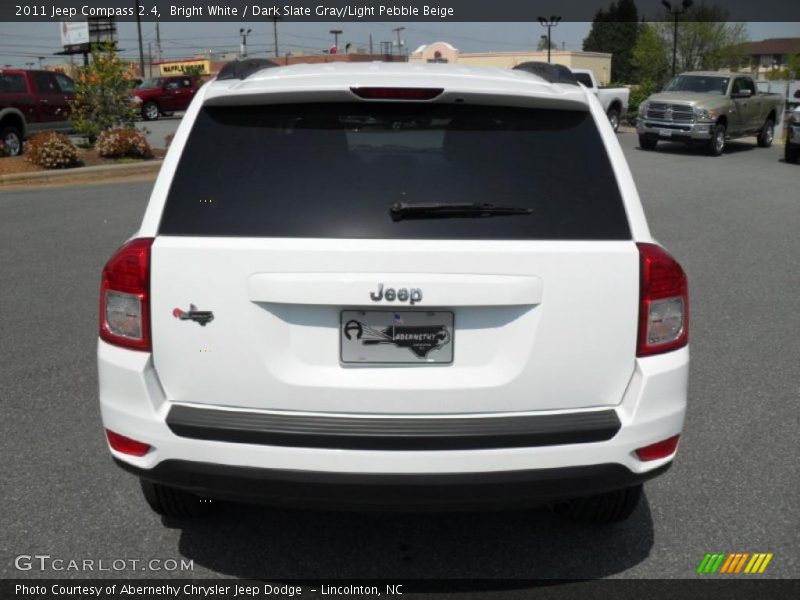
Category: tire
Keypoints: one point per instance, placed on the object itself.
(602, 509)
(11, 138)
(716, 145)
(767, 134)
(792, 153)
(171, 502)
(613, 118)
(647, 143)
(150, 111)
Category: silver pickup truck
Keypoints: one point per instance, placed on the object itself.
(710, 108)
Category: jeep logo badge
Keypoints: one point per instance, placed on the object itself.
(411, 296)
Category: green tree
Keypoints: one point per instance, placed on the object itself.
(542, 45)
(101, 95)
(650, 60)
(786, 73)
(706, 40)
(615, 31)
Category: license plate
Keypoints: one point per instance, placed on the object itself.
(396, 337)
(665, 132)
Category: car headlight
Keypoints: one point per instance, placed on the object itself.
(705, 114)
(795, 117)
(136, 100)
(643, 108)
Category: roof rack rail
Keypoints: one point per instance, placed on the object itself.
(242, 69)
(548, 72)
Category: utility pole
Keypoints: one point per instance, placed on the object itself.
(158, 41)
(336, 33)
(370, 44)
(141, 46)
(275, 34)
(150, 59)
(549, 23)
(676, 13)
(398, 31)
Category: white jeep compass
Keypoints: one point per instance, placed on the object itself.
(396, 285)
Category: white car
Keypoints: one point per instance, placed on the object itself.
(613, 100)
(394, 285)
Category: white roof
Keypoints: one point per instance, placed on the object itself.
(332, 82)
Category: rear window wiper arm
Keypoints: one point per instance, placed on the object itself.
(442, 210)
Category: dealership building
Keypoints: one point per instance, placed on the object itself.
(598, 62)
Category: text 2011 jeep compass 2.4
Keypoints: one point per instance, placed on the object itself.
(394, 285)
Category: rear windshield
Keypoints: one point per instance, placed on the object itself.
(334, 170)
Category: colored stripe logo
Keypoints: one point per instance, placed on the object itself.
(734, 563)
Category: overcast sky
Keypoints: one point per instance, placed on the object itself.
(21, 43)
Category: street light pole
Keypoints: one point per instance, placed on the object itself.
(686, 4)
(398, 31)
(243, 48)
(549, 23)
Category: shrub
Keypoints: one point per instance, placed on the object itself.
(639, 94)
(123, 143)
(102, 98)
(52, 150)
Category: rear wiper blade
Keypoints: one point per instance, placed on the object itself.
(442, 210)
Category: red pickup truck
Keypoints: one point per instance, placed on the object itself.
(32, 101)
(163, 95)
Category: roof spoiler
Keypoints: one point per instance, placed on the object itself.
(549, 72)
(242, 69)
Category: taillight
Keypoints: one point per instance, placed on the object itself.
(125, 296)
(663, 302)
(658, 450)
(126, 445)
(387, 93)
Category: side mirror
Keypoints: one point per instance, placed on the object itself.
(797, 94)
(658, 88)
(742, 94)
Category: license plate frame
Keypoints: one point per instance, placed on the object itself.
(665, 132)
(396, 337)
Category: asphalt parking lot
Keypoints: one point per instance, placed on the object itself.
(157, 131)
(732, 221)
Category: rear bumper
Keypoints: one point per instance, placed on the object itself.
(224, 452)
(678, 132)
(391, 433)
(312, 489)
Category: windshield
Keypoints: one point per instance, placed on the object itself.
(149, 84)
(698, 83)
(334, 170)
